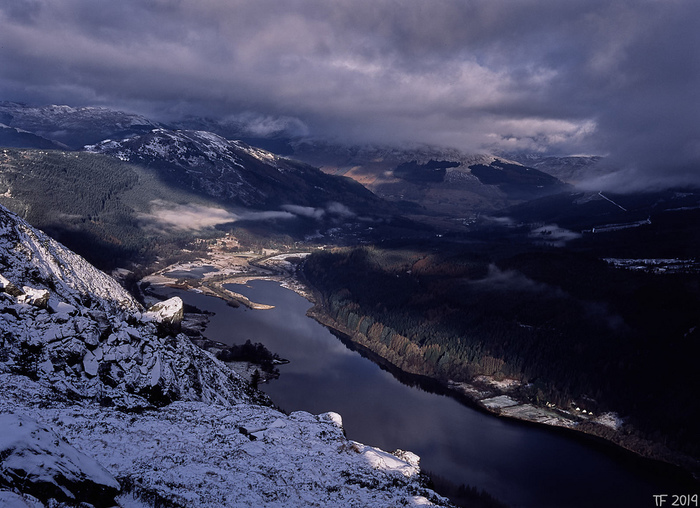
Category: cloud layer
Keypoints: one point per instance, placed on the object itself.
(169, 216)
(620, 78)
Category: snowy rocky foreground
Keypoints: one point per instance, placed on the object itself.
(197, 454)
(103, 402)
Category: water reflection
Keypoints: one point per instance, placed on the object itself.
(519, 464)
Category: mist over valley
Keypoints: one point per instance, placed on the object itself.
(240, 238)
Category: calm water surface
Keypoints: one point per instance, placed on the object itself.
(522, 465)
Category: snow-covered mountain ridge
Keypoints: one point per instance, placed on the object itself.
(90, 380)
(73, 126)
(30, 257)
(232, 171)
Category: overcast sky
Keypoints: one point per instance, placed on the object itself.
(620, 78)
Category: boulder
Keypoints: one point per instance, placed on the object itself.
(8, 287)
(36, 297)
(168, 313)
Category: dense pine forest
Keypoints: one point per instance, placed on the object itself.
(96, 205)
(567, 324)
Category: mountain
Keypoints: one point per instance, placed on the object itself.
(75, 327)
(655, 224)
(433, 179)
(18, 138)
(116, 213)
(74, 127)
(105, 402)
(268, 134)
(96, 204)
(517, 181)
(572, 169)
(235, 172)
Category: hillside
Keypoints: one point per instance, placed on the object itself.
(18, 138)
(74, 127)
(104, 208)
(578, 318)
(175, 187)
(84, 372)
(429, 180)
(236, 173)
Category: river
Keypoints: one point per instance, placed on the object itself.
(520, 464)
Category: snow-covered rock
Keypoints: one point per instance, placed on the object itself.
(37, 297)
(34, 457)
(9, 499)
(8, 287)
(86, 335)
(192, 454)
(33, 259)
(93, 368)
(169, 312)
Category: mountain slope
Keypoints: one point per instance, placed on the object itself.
(97, 205)
(73, 326)
(18, 138)
(74, 127)
(31, 258)
(236, 173)
(83, 370)
(439, 180)
(572, 169)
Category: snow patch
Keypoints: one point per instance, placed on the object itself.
(44, 464)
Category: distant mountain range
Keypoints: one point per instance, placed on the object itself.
(441, 181)
(252, 177)
(114, 192)
(74, 127)
(572, 169)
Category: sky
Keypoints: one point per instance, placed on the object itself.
(607, 77)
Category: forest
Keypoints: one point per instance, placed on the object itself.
(566, 324)
(94, 204)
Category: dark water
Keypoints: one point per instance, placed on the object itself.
(520, 464)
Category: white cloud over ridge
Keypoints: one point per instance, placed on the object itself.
(185, 217)
(169, 216)
(619, 78)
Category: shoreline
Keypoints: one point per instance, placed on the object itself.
(604, 437)
(487, 395)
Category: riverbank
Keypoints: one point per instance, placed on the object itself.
(210, 275)
(501, 398)
(224, 264)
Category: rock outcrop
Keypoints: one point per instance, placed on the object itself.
(168, 313)
(93, 388)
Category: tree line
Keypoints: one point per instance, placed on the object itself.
(567, 325)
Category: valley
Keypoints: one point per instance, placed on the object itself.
(493, 388)
(389, 409)
(487, 279)
(220, 265)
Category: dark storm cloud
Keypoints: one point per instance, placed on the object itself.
(619, 78)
